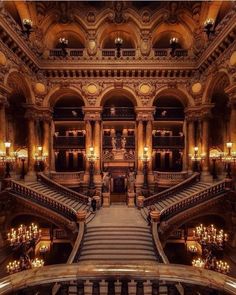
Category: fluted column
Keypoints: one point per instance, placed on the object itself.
(3, 102)
(97, 145)
(140, 145)
(31, 144)
(88, 140)
(149, 143)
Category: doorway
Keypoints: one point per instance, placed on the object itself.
(119, 185)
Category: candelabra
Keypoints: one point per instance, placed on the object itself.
(196, 159)
(214, 157)
(173, 45)
(192, 249)
(40, 159)
(24, 235)
(28, 25)
(228, 158)
(13, 267)
(212, 264)
(208, 27)
(91, 158)
(36, 263)
(23, 264)
(118, 43)
(7, 159)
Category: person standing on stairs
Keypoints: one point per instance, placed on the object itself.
(94, 204)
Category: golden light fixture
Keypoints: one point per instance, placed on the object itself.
(13, 267)
(36, 263)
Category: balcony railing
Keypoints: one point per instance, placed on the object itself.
(169, 113)
(168, 142)
(123, 52)
(69, 142)
(118, 113)
(166, 52)
(70, 52)
(129, 142)
(68, 114)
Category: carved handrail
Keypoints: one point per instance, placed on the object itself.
(171, 175)
(67, 177)
(44, 200)
(62, 189)
(172, 190)
(196, 198)
(161, 272)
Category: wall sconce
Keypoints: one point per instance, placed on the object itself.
(208, 27)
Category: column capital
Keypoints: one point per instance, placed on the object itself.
(205, 111)
(92, 113)
(38, 113)
(144, 114)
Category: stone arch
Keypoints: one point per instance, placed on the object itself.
(58, 92)
(180, 94)
(221, 79)
(19, 83)
(126, 91)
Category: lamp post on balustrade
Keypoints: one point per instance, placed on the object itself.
(214, 157)
(196, 159)
(91, 158)
(228, 158)
(145, 160)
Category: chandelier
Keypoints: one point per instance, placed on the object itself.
(208, 27)
(212, 264)
(23, 235)
(23, 264)
(35, 263)
(118, 44)
(173, 45)
(210, 236)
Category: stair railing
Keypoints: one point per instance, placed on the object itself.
(62, 189)
(194, 199)
(172, 190)
(43, 200)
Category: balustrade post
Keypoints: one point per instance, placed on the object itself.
(88, 287)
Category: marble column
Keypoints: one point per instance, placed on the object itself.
(140, 145)
(191, 141)
(31, 144)
(2, 122)
(149, 143)
(97, 146)
(185, 151)
(46, 142)
(205, 143)
(51, 149)
(233, 121)
(88, 141)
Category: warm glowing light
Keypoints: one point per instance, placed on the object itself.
(196, 149)
(7, 144)
(40, 148)
(209, 22)
(63, 40)
(27, 22)
(35, 263)
(198, 263)
(174, 40)
(119, 41)
(229, 145)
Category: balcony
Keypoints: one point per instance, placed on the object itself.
(67, 142)
(118, 113)
(123, 52)
(169, 142)
(70, 52)
(68, 114)
(166, 52)
(129, 142)
(169, 114)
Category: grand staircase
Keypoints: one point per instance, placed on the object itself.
(118, 234)
(164, 202)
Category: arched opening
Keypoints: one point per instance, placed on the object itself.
(168, 136)
(109, 40)
(69, 138)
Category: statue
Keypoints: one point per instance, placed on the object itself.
(106, 182)
(123, 143)
(131, 181)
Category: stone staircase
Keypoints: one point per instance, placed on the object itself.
(163, 203)
(54, 194)
(126, 239)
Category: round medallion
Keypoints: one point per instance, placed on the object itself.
(196, 88)
(232, 60)
(92, 89)
(3, 59)
(39, 88)
(145, 88)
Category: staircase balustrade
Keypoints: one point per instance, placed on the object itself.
(172, 190)
(194, 199)
(62, 189)
(131, 279)
(169, 178)
(67, 178)
(43, 200)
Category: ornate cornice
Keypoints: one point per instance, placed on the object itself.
(35, 113)
(92, 113)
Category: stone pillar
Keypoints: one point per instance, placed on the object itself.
(140, 146)
(3, 102)
(205, 143)
(51, 150)
(31, 144)
(185, 152)
(233, 121)
(191, 141)
(88, 141)
(149, 143)
(46, 142)
(97, 146)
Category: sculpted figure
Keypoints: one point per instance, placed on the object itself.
(131, 181)
(106, 182)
